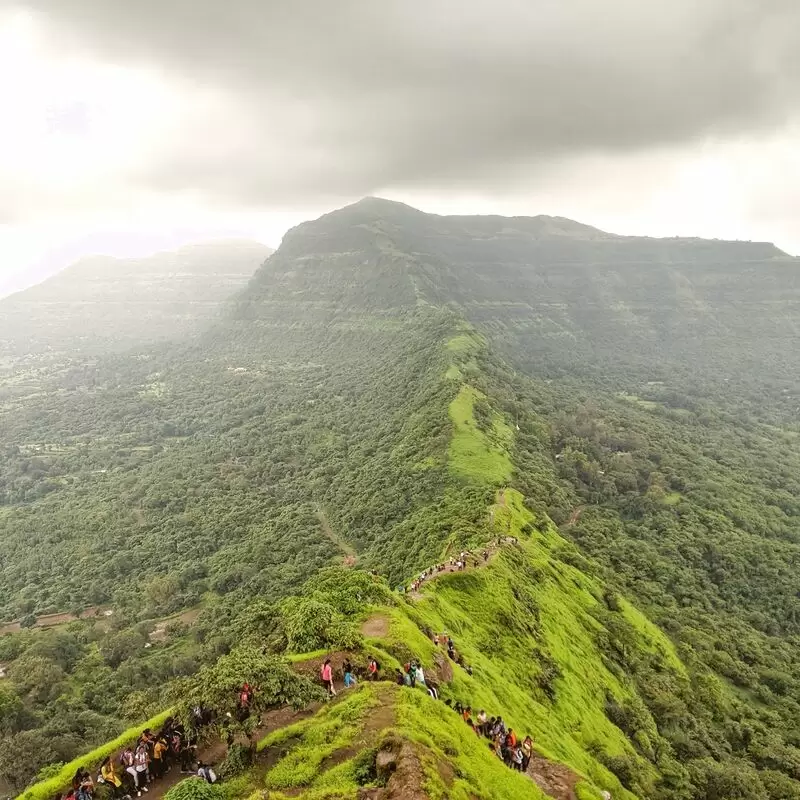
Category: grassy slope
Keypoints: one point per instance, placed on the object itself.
(491, 614)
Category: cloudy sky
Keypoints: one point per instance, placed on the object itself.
(132, 126)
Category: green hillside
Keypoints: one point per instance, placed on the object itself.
(391, 388)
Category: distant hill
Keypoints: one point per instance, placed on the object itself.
(101, 303)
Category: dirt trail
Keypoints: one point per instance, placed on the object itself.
(378, 720)
(350, 556)
(575, 516)
(376, 627)
(555, 780)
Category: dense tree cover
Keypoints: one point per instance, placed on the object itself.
(651, 419)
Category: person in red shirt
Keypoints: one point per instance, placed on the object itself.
(372, 669)
(326, 673)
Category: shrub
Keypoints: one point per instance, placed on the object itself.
(239, 759)
(194, 789)
(364, 768)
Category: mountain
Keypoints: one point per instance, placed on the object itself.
(101, 303)
(563, 298)
(611, 419)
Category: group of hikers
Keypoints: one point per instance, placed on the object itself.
(150, 758)
(155, 754)
(349, 672)
(411, 675)
(516, 753)
(503, 741)
(452, 653)
(466, 558)
(453, 564)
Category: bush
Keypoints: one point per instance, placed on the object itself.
(364, 768)
(239, 759)
(626, 768)
(780, 786)
(733, 779)
(312, 624)
(194, 789)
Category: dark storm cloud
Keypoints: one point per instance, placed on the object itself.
(342, 97)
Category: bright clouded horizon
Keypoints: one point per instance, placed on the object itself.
(130, 128)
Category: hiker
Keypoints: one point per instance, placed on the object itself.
(482, 722)
(160, 755)
(189, 753)
(518, 758)
(243, 702)
(206, 772)
(82, 784)
(326, 673)
(110, 777)
(349, 678)
(419, 675)
(400, 678)
(127, 760)
(141, 763)
(372, 669)
(175, 747)
(527, 752)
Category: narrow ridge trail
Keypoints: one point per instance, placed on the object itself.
(555, 780)
(492, 550)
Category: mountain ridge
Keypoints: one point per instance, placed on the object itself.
(370, 209)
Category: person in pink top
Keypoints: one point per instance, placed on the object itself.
(326, 673)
